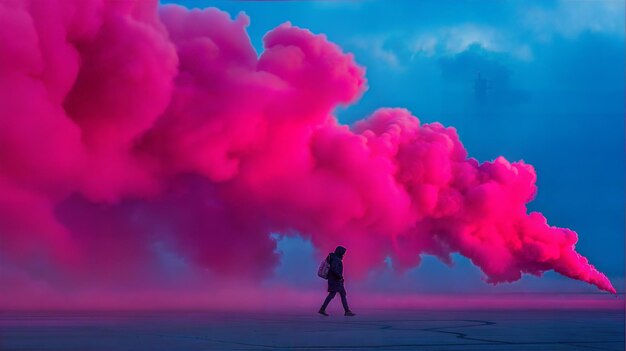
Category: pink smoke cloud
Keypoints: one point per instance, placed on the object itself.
(126, 127)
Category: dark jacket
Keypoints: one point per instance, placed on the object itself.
(335, 274)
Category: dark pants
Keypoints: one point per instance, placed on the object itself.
(331, 295)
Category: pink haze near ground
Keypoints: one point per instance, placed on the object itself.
(132, 134)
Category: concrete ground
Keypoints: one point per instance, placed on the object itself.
(369, 330)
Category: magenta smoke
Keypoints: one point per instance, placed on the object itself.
(124, 124)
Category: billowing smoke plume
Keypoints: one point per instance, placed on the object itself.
(130, 131)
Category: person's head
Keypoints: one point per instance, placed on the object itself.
(340, 251)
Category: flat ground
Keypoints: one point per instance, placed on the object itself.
(369, 330)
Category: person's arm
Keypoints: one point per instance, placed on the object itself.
(336, 268)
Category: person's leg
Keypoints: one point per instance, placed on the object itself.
(344, 300)
(330, 296)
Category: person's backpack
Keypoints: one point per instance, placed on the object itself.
(322, 270)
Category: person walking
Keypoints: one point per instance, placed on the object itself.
(335, 281)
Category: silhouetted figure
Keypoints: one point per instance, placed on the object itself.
(335, 281)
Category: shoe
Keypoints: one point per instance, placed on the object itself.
(349, 313)
(323, 312)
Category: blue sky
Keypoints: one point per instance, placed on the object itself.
(554, 73)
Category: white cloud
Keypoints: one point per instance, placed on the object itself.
(424, 45)
(375, 46)
(571, 18)
(459, 38)
(455, 39)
